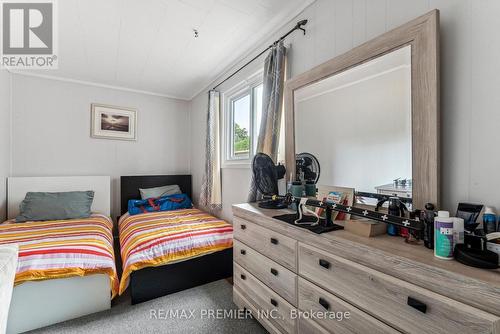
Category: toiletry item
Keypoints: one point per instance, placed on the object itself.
(413, 237)
(489, 220)
(394, 210)
(297, 189)
(310, 189)
(443, 236)
(392, 230)
(470, 213)
(458, 231)
(428, 219)
(403, 231)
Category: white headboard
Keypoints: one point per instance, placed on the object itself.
(17, 187)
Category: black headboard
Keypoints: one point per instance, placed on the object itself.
(130, 185)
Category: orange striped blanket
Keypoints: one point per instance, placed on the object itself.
(159, 238)
(62, 248)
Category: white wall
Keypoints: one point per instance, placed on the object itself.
(470, 85)
(4, 138)
(51, 133)
(370, 152)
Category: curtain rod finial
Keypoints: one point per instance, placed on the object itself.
(300, 24)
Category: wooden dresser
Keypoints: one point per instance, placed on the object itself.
(295, 281)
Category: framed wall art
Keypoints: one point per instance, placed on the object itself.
(111, 122)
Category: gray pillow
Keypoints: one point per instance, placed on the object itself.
(160, 191)
(55, 206)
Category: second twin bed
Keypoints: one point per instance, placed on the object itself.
(168, 251)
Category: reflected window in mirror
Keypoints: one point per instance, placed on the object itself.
(358, 124)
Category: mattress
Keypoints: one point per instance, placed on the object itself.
(63, 248)
(161, 238)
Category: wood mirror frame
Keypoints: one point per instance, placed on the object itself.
(422, 34)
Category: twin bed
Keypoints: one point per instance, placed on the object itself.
(67, 268)
(207, 256)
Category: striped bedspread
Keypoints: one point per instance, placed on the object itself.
(63, 248)
(158, 238)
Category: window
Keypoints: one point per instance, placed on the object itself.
(243, 113)
(240, 134)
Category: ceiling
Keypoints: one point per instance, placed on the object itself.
(150, 46)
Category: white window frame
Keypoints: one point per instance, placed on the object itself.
(241, 89)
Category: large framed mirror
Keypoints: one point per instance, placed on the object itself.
(371, 115)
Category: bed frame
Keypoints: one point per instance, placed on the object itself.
(42, 303)
(154, 282)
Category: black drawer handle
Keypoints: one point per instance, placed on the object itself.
(324, 303)
(274, 241)
(274, 272)
(416, 304)
(243, 277)
(324, 263)
(243, 252)
(243, 227)
(274, 302)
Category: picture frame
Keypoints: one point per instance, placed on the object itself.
(325, 190)
(113, 122)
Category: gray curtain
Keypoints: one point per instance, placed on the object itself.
(211, 193)
(272, 108)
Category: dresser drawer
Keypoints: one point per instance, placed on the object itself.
(275, 276)
(275, 246)
(269, 303)
(389, 298)
(308, 326)
(244, 303)
(315, 300)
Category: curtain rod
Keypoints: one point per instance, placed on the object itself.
(298, 26)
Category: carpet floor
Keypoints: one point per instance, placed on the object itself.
(183, 312)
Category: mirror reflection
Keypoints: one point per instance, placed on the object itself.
(358, 125)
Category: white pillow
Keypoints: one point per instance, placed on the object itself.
(160, 191)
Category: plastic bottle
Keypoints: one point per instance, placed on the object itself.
(393, 209)
(489, 220)
(443, 236)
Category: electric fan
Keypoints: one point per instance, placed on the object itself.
(266, 175)
(307, 168)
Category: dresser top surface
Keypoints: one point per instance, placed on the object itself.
(394, 246)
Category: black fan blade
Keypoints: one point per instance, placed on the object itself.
(265, 174)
